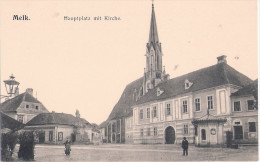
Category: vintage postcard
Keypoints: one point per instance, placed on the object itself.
(129, 80)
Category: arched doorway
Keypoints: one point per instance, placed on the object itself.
(169, 135)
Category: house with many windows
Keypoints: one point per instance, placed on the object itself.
(165, 113)
(23, 107)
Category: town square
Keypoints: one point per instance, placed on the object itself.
(111, 90)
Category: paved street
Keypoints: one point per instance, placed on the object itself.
(113, 152)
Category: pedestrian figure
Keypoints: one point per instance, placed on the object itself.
(185, 145)
(67, 147)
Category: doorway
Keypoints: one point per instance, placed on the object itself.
(169, 135)
(42, 137)
(238, 132)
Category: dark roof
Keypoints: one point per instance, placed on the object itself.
(14, 103)
(56, 118)
(8, 122)
(127, 99)
(251, 89)
(216, 75)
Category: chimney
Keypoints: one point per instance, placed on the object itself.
(30, 91)
(222, 59)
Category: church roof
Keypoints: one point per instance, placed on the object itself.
(209, 77)
(127, 99)
(14, 103)
(56, 118)
(251, 89)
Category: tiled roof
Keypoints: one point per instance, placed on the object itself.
(251, 89)
(8, 122)
(56, 118)
(216, 75)
(14, 103)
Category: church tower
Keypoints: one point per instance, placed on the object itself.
(153, 73)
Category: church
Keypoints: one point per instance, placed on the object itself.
(202, 105)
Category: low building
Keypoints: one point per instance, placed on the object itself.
(23, 107)
(55, 128)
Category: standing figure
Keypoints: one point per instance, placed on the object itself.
(185, 145)
(67, 147)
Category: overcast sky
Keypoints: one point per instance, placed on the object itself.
(86, 65)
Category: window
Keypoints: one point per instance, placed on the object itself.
(27, 106)
(237, 106)
(60, 136)
(20, 118)
(185, 106)
(168, 109)
(203, 134)
(250, 104)
(197, 104)
(148, 113)
(141, 114)
(50, 135)
(185, 129)
(210, 102)
(252, 127)
(155, 131)
(141, 132)
(148, 132)
(154, 111)
(36, 107)
(188, 84)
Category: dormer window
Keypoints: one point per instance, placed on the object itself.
(188, 84)
(159, 92)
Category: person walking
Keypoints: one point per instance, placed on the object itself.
(185, 145)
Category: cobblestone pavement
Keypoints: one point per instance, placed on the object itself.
(123, 152)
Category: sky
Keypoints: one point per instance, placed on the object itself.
(86, 65)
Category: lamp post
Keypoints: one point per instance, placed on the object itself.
(11, 86)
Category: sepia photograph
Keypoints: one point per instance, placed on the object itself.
(129, 80)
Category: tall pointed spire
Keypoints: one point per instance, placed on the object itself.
(153, 74)
(153, 35)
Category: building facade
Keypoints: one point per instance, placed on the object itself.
(23, 107)
(245, 114)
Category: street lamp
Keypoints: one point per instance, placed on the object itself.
(11, 86)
